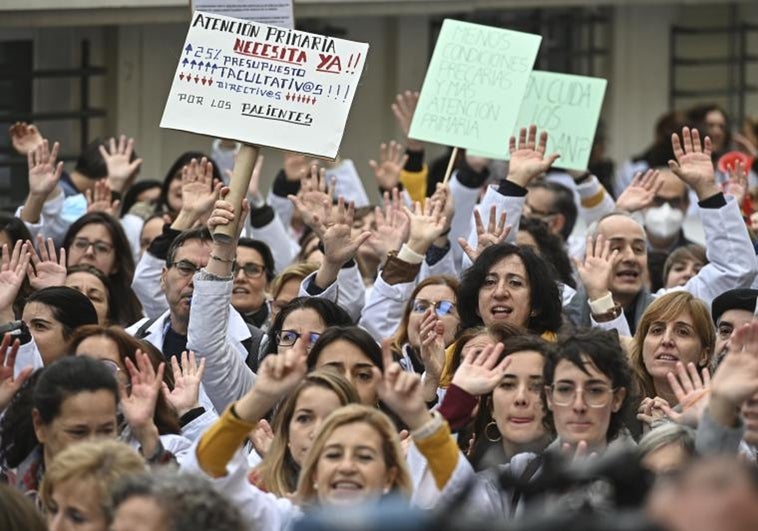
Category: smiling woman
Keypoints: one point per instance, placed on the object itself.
(295, 423)
(675, 328)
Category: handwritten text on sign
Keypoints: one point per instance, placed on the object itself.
(568, 108)
(264, 85)
(475, 76)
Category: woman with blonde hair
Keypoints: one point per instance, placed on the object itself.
(76, 490)
(296, 420)
(355, 458)
(675, 333)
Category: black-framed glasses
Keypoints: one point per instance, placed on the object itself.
(185, 267)
(99, 246)
(441, 308)
(287, 338)
(251, 269)
(594, 395)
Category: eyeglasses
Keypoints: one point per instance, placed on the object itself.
(594, 395)
(287, 338)
(99, 246)
(186, 268)
(441, 308)
(117, 372)
(251, 269)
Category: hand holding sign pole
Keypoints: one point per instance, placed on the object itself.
(238, 184)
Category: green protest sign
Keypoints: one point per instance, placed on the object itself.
(475, 76)
(568, 108)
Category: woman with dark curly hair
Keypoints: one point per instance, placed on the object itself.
(510, 284)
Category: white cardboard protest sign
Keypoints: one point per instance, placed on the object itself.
(264, 85)
(271, 12)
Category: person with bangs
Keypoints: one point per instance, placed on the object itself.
(296, 421)
(586, 385)
(431, 306)
(97, 239)
(355, 459)
(675, 335)
(353, 353)
(75, 492)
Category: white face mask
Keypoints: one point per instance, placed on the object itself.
(663, 221)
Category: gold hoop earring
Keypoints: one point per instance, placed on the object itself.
(487, 430)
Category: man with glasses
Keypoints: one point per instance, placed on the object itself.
(200, 317)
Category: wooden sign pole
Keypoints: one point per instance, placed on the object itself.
(243, 170)
(450, 164)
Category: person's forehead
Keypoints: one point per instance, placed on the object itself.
(622, 228)
(193, 248)
(567, 370)
(435, 292)
(84, 279)
(510, 264)
(736, 317)
(248, 254)
(540, 198)
(94, 230)
(671, 185)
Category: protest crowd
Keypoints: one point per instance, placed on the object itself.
(539, 351)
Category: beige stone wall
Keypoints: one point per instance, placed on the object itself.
(141, 58)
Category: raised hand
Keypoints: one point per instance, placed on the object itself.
(46, 269)
(693, 163)
(392, 226)
(8, 384)
(335, 232)
(496, 233)
(479, 372)
(748, 145)
(736, 379)
(315, 196)
(44, 173)
(187, 377)
(277, 377)
(24, 137)
(99, 199)
(640, 192)
(427, 224)
(261, 437)
(736, 185)
(528, 159)
(403, 109)
(253, 189)
(596, 270)
(12, 273)
(651, 410)
(121, 170)
(295, 166)
(198, 190)
(223, 214)
(691, 390)
(444, 197)
(432, 352)
(391, 161)
(138, 405)
(401, 391)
